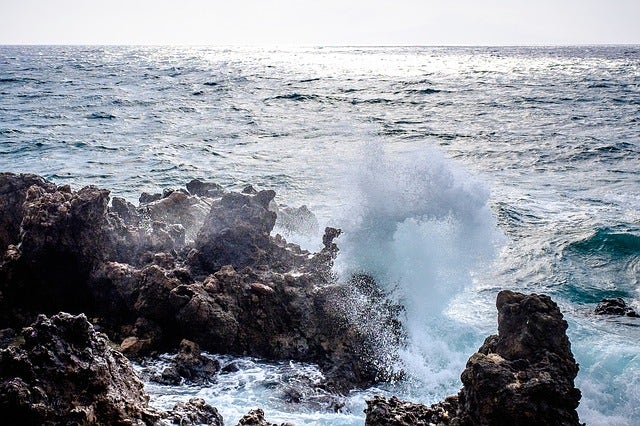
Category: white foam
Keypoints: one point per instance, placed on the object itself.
(420, 225)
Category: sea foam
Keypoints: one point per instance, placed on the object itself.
(421, 226)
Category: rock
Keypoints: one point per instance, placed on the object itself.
(63, 237)
(297, 221)
(394, 412)
(249, 189)
(66, 373)
(615, 306)
(235, 289)
(146, 198)
(13, 193)
(204, 189)
(7, 336)
(256, 418)
(178, 208)
(524, 375)
(125, 211)
(191, 365)
(236, 231)
(195, 412)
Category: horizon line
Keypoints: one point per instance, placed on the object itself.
(286, 45)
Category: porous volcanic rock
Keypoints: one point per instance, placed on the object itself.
(200, 265)
(615, 306)
(66, 372)
(256, 418)
(522, 376)
(13, 193)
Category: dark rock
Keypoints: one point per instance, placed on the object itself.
(249, 190)
(256, 418)
(236, 231)
(7, 336)
(232, 367)
(125, 211)
(63, 237)
(191, 365)
(524, 375)
(616, 306)
(204, 189)
(195, 412)
(13, 193)
(394, 412)
(146, 198)
(236, 289)
(66, 373)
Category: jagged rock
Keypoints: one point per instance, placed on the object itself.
(524, 375)
(256, 418)
(125, 211)
(189, 364)
(63, 237)
(394, 412)
(236, 289)
(236, 231)
(181, 209)
(146, 198)
(204, 189)
(616, 306)
(66, 373)
(297, 220)
(195, 412)
(13, 193)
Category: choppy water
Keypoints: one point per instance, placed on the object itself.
(455, 172)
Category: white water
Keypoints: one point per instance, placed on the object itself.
(422, 227)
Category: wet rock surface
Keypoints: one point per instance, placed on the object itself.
(524, 375)
(615, 306)
(66, 373)
(197, 264)
(256, 418)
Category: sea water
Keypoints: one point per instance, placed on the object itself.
(453, 172)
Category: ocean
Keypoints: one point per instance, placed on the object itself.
(454, 172)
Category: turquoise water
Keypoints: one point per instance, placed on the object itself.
(454, 173)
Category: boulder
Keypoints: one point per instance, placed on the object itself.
(66, 373)
(189, 364)
(195, 412)
(524, 375)
(256, 418)
(615, 306)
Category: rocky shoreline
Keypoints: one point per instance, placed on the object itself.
(199, 269)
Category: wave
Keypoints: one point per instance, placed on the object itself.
(603, 264)
(421, 226)
(607, 242)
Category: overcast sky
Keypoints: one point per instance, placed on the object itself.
(328, 22)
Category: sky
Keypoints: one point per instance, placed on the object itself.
(328, 22)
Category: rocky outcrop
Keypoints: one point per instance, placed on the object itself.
(13, 193)
(524, 375)
(66, 373)
(615, 306)
(197, 264)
